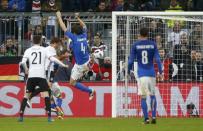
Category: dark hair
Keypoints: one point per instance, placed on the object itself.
(55, 40)
(144, 32)
(37, 39)
(76, 29)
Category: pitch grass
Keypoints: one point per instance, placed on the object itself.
(101, 124)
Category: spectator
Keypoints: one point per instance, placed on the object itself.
(94, 69)
(2, 50)
(119, 5)
(11, 47)
(129, 6)
(195, 34)
(106, 69)
(181, 57)
(16, 5)
(102, 7)
(174, 6)
(36, 8)
(197, 44)
(199, 67)
(192, 67)
(98, 45)
(159, 41)
(4, 5)
(174, 37)
(146, 5)
(153, 29)
(86, 5)
(166, 64)
(51, 6)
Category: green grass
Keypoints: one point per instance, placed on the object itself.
(101, 124)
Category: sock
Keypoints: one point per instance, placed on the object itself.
(82, 87)
(22, 107)
(144, 108)
(59, 102)
(48, 105)
(153, 104)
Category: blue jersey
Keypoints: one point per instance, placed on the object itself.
(145, 51)
(79, 47)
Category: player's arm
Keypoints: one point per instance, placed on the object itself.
(131, 59)
(24, 62)
(57, 61)
(82, 23)
(61, 23)
(159, 63)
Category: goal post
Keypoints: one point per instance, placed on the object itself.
(179, 37)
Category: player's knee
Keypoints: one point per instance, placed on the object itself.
(72, 82)
(144, 96)
(27, 95)
(45, 94)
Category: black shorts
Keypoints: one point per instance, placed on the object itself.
(36, 83)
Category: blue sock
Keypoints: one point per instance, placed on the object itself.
(53, 105)
(144, 108)
(153, 104)
(82, 87)
(59, 102)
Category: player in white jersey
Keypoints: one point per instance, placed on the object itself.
(51, 68)
(36, 56)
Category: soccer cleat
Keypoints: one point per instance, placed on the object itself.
(146, 121)
(60, 117)
(153, 121)
(53, 110)
(20, 119)
(50, 119)
(91, 95)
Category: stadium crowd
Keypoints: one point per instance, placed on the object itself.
(100, 5)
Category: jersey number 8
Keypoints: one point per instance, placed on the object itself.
(144, 57)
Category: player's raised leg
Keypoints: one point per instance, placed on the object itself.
(82, 87)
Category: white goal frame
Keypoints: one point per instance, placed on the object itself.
(114, 43)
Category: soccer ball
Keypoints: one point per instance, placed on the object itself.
(98, 54)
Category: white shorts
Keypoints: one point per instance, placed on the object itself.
(146, 86)
(78, 70)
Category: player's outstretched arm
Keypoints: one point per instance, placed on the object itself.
(80, 20)
(61, 23)
(54, 59)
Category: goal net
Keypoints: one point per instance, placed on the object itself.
(179, 38)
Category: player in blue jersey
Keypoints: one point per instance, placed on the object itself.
(78, 35)
(145, 52)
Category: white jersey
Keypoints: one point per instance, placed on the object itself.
(36, 55)
(52, 52)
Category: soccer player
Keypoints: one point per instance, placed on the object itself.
(36, 56)
(145, 51)
(51, 69)
(78, 35)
